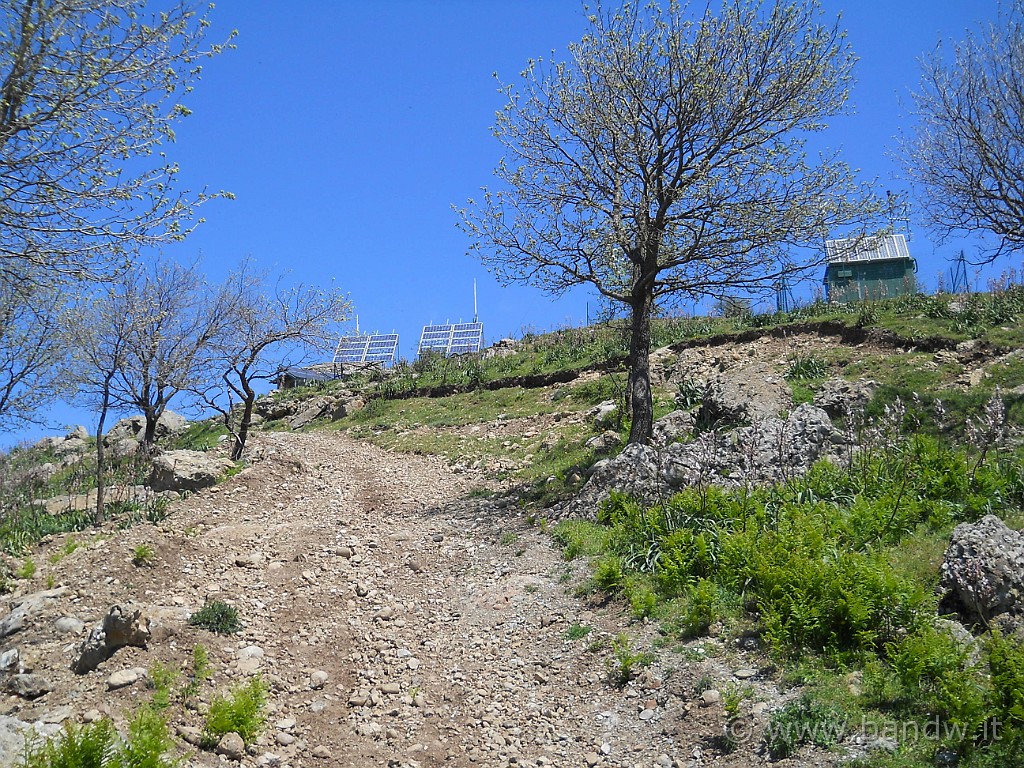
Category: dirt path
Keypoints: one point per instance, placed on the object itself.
(397, 622)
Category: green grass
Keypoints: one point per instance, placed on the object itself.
(840, 568)
(199, 436)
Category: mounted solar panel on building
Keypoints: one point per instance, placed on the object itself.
(375, 348)
(452, 338)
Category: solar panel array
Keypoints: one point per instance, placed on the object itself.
(376, 348)
(452, 338)
(867, 249)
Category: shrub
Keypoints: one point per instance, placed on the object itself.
(577, 631)
(161, 679)
(97, 745)
(144, 555)
(809, 367)
(241, 712)
(805, 721)
(201, 672)
(217, 617)
(625, 661)
(27, 569)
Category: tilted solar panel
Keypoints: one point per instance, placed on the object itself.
(452, 338)
(376, 348)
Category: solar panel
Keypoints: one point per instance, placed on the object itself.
(375, 348)
(867, 249)
(452, 338)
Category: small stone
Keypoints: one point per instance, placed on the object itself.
(285, 725)
(125, 677)
(437, 538)
(745, 674)
(321, 752)
(391, 688)
(413, 664)
(345, 552)
(647, 714)
(592, 759)
(57, 716)
(29, 686)
(91, 716)
(284, 739)
(386, 614)
(710, 698)
(318, 680)
(190, 735)
(362, 590)
(415, 566)
(759, 708)
(69, 625)
(10, 660)
(231, 746)
(250, 652)
(248, 666)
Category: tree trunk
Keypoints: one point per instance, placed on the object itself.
(149, 434)
(101, 454)
(641, 401)
(243, 429)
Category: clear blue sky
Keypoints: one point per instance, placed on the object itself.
(348, 128)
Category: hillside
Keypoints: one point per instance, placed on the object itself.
(429, 569)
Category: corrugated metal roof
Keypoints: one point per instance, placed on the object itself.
(867, 249)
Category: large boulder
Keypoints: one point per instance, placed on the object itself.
(766, 451)
(13, 733)
(982, 579)
(745, 394)
(123, 625)
(317, 408)
(187, 470)
(839, 397)
(634, 471)
(672, 427)
(132, 428)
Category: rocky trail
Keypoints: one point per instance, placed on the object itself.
(397, 621)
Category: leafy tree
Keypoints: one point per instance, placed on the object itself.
(967, 151)
(33, 343)
(666, 161)
(267, 331)
(89, 91)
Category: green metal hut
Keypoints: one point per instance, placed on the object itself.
(869, 269)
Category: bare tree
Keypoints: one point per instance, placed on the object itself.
(966, 155)
(89, 91)
(33, 344)
(268, 332)
(102, 331)
(665, 161)
(148, 339)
